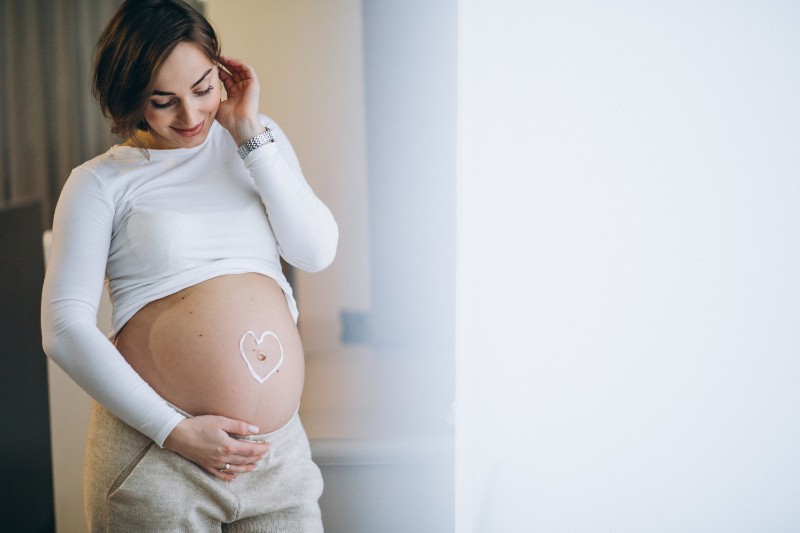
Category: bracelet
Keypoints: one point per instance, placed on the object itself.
(261, 139)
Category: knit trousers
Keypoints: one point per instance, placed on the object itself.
(133, 485)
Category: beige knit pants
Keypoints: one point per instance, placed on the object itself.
(133, 485)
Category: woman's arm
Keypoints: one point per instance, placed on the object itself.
(305, 229)
(72, 289)
(71, 294)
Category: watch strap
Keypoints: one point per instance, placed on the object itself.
(265, 137)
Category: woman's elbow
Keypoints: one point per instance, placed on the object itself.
(62, 330)
(50, 346)
(323, 258)
(53, 339)
(320, 254)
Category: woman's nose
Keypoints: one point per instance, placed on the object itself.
(188, 116)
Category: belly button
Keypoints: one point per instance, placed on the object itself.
(261, 356)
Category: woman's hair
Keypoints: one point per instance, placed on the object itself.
(132, 48)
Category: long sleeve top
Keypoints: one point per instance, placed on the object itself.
(152, 227)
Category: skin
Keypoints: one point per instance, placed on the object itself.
(182, 119)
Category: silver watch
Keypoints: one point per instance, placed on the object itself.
(261, 139)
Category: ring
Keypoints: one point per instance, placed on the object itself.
(225, 468)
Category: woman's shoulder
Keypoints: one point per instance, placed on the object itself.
(107, 173)
(93, 170)
(111, 161)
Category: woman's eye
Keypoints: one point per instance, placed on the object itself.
(156, 105)
(205, 92)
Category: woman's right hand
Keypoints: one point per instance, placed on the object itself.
(206, 441)
(238, 113)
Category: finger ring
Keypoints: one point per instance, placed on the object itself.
(225, 468)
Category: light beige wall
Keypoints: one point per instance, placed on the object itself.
(309, 59)
(70, 408)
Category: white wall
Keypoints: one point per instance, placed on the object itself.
(628, 290)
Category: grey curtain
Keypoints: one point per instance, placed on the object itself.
(49, 122)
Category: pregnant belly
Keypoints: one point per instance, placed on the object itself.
(227, 346)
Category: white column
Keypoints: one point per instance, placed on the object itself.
(628, 258)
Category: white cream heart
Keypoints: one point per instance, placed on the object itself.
(259, 341)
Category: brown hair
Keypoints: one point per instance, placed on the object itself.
(132, 48)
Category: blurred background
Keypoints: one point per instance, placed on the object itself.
(578, 219)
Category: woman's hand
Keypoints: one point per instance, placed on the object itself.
(206, 441)
(239, 112)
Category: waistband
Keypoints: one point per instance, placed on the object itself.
(255, 437)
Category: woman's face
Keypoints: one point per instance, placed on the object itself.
(185, 100)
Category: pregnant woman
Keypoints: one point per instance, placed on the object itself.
(195, 425)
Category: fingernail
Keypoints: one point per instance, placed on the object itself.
(253, 429)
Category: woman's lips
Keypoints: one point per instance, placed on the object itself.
(191, 132)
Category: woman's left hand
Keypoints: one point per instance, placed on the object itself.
(239, 112)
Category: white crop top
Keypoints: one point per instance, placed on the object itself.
(154, 227)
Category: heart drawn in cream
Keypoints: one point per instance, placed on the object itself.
(261, 354)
